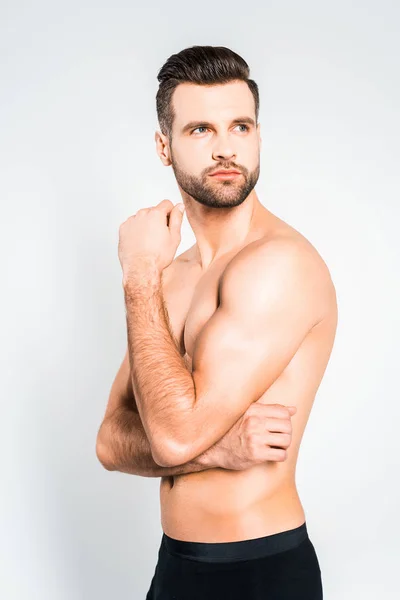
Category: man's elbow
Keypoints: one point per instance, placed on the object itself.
(167, 453)
(103, 456)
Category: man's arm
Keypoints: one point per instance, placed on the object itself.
(122, 444)
(271, 296)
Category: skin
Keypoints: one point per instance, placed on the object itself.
(221, 339)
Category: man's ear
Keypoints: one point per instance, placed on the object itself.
(162, 148)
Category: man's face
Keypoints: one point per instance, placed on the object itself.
(214, 128)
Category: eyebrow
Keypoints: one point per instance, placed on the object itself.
(195, 124)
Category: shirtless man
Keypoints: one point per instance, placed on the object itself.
(222, 341)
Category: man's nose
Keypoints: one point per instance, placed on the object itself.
(223, 148)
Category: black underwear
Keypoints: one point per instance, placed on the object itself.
(243, 550)
(281, 566)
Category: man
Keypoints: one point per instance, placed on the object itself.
(227, 345)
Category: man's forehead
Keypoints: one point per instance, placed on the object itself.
(212, 102)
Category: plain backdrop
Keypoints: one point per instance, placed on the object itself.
(77, 157)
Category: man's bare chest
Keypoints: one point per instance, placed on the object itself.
(191, 298)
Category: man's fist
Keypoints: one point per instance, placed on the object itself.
(262, 434)
(151, 236)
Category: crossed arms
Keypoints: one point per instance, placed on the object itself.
(270, 298)
(122, 443)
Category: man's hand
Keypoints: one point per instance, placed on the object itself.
(151, 236)
(263, 433)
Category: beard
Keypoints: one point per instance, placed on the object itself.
(216, 193)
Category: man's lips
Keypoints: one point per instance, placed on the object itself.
(226, 172)
(225, 175)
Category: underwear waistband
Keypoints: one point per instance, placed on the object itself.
(239, 550)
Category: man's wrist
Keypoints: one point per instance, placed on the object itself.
(142, 272)
(207, 458)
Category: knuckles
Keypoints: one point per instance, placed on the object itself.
(256, 422)
(152, 211)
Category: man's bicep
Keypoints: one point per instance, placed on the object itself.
(262, 320)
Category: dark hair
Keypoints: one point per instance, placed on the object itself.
(203, 65)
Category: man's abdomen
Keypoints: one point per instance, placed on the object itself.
(218, 505)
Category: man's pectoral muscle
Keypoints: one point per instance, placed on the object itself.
(270, 299)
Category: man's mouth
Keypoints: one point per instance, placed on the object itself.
(225, 174)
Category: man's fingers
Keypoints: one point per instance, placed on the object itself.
(165, 204)
(175, 220)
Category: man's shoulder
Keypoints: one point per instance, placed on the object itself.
(283, 260)
(277, 247)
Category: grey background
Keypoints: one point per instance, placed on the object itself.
(77, 157)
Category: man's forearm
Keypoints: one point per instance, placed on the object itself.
(129, 451)
(163, 386)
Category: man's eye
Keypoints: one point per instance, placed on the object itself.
(239, 125)
(198, 128)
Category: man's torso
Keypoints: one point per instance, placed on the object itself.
(218, 505)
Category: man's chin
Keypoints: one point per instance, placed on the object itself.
(213, 201)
